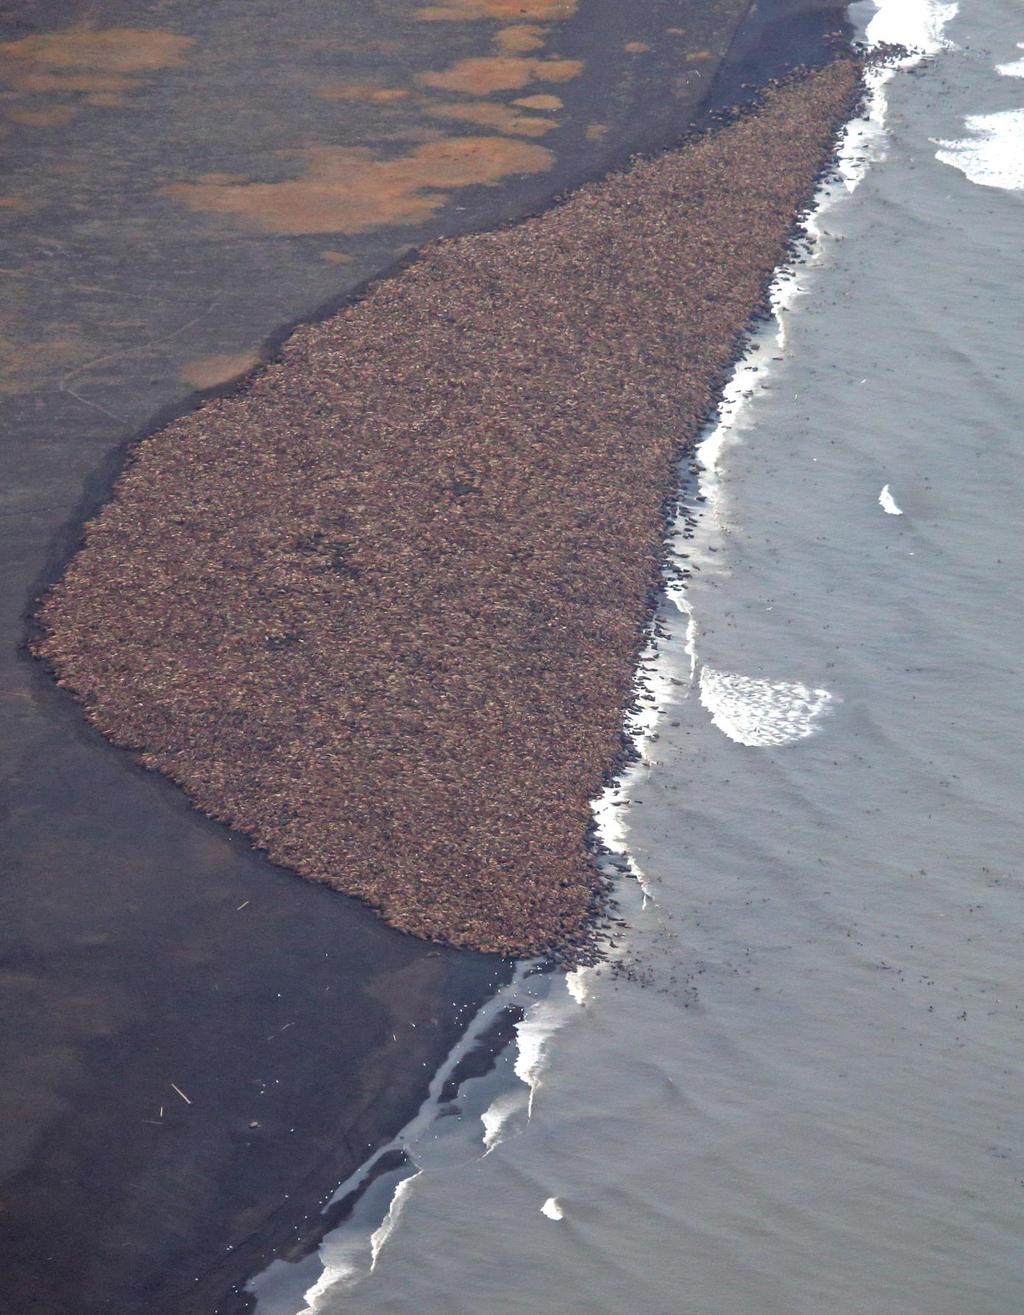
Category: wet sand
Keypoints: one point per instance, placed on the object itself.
(380, 610)
(129, 959)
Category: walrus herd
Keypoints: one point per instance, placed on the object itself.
(380, 608)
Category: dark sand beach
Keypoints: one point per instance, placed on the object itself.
(144, 945)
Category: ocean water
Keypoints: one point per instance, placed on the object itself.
(795, 1087)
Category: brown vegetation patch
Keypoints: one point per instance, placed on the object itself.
(508, 11)
(350, 190)
(487, 114)
(111, 50)
(208, 371)
(380, 610)
(540, 102)
(482, 75)
(519, 40)
(97, 64)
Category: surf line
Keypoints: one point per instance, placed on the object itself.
(670, 666)
(379, 1190)
(752, 712)
(669, 663)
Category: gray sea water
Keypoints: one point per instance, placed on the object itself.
(797, 1088)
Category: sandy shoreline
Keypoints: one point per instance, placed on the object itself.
(360, 610)
(145, 944)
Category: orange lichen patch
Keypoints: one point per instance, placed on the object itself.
(336, 257)
(519, 40)
(208, 371)
(676, 31)
(540, 102)
(509, 10)
(595, 131)
(699, 55)
(636, 47)
(93, 62)
(348, 190)
(485, 114)
(50, 117)
(108, 50)
(365, 91)
(482, 75)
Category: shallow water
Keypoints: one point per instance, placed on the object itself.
(799, 1090)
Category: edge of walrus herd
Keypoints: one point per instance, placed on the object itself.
(380, 609)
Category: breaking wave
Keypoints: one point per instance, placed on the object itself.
(762, 713)
(993, 154)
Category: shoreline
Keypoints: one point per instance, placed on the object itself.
(307, 551)
(147, 887)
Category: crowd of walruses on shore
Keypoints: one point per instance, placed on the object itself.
(379, 609)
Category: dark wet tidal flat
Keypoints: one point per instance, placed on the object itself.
(197, 1047)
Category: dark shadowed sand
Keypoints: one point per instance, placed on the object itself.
(380, 609)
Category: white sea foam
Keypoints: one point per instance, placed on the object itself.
(552, 1209)
(533, 1034)
(390, 1221)
(578, 984)
(1014, 70)
(993, 154)
(498, 1115)
(341, 1255)
(349, 1253)
(917, 24)
(341, 1268)
(762, 713)
(509, 1112)
(888, 503)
